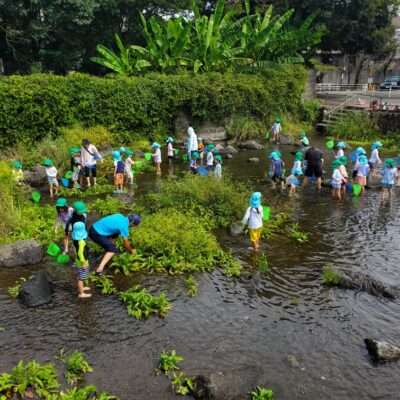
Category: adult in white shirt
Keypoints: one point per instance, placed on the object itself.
(192, 142)
(89, 157)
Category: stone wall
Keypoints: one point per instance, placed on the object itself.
(387, 121)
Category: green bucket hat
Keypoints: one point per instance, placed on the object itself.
(61, 202)
(277, 120)
(298, 156)
(74, 150)
(48, 163)
(196, 155)
(302, 134)
(16, 164)
(128, 152)
(79, 206)
(343, 160)
(335, 164)
(219, 158)
(389, 163)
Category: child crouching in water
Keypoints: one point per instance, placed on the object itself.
(79, 236)
(254, 217)
(294, 181)
(389, 175)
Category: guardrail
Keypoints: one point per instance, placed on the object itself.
(330, 87)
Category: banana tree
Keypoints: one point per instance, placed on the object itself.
(211, 49)
(166, 45)
(122, 65)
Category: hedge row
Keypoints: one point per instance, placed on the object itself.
(35, 106)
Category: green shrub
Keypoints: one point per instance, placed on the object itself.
(36, 106)
(217, 203)
(76, 366)
(310, 110)
(355, 126)
(243, 128)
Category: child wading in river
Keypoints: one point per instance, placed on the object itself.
(363, 172)
(79, 236)
(389, 175)
(337, 179)
(254, 217)
(157, 156)
(118, 173)
(343, 171)
(294, 181)
(170, 149)
(277, 171)
(128, 166)
(218, 167)
(51, 172)
(64, 214)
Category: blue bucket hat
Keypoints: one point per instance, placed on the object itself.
(363, 160)
(122, 150)
(341, 144)
(199, 139)
(361, 151)
(255, 200)
(298, 171)
(79, 231)
(272, 154)
(155, 144)
(116, 155)
(276, 157)
(377, 144)
(136, 218)
(169, 139)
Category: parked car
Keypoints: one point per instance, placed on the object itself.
(392, 82)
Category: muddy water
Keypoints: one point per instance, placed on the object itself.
(258, 319)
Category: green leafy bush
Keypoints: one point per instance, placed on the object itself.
(141, 304)
(168, 361)
(355, 126)
(244, 128)
(36, 106)
(216, 203)
(13, 291)
(310, 110)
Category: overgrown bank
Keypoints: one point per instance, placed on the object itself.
(34, 106)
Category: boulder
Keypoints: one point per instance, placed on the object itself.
(254, 160)
(229, 150)
(382, 351)
(228, 385)
(210, 131)
(366, 284)
(36, 291)
(23, 252)
(227, 156)
(251, 145)
(219, 147)
(139, 153)
(286, 138)
(37, 177)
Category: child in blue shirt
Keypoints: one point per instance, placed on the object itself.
(119, 167)
(389, 175)
(277, 171)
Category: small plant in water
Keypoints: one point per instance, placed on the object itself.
(263, 264)
(262, 394)
(191, 286)
(13, 291)
(76, 366)
(2, 329)
(295, 302)
(232, 267)
(181, 384)
(140, 303)
(298, 235)
(168, 361)
(103, 282)
(330, 276)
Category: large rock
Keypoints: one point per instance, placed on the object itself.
(36, 291)
(139, 153)
(228, 385)
(37, 177)
(229, 150)
(382, 351)
(254, 160)
(23, 252)
(251, 145)
(210, 131)
(286, 138)
(219, 147)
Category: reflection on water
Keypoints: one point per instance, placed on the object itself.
(258, 319)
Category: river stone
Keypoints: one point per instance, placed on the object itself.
(292, 361)
(37, 177)
(228, 156)
(23, 252)
(211, 132)
(138, 153)
(286, 138)
(254, 160)
(382, 351)
(219, 147)
(229, 150)
(251, 145)
(235, 384)
(36, 291)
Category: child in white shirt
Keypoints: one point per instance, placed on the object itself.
(157, 156)
(128, 166)
(254, 217)
(51, 172)
(337, 179)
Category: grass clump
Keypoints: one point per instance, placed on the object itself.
(216, 203)
(231, 267)
(330, 276)
(14, 290)
(109, 205)
(103, 282)
(29, 379)
(191, 286)
(263, 264)
(182, 385)
(76, 366)
(299, 236)
(243, 128)
(141, 304)
(262, 394)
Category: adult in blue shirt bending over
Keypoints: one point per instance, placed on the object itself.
(106, 230)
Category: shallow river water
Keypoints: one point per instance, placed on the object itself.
(256, 320)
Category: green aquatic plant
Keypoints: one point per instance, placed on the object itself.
(231, 267)
(86, 393)
(90, 191)
(330, 276)
(295, 302)
(2, 329)
(29, 379)
(109, 205)
(181, 384)
(141, 304)
(263, 264)
(103, 282)
(168, 361)
(298, 235)
(191, 286)
(76, 366)
(276, 224)
(262, 394)
(14, 290)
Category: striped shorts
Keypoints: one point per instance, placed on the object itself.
(82, 273)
